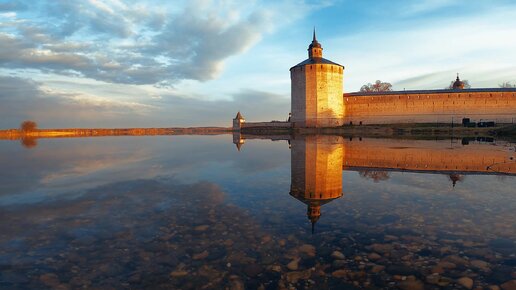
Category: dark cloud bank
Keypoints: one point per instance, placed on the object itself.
(26, 99)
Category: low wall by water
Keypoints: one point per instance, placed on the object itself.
(429, 106)
(266, 124)
(257, 125)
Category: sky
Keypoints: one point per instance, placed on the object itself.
(159, 63)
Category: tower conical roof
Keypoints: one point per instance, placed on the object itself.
(239, 116)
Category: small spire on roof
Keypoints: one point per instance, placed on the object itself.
(315, 48)
(239, 116)
(458, 84)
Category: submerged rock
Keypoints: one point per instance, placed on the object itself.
(377, 269)
(202, 255)
(465, 282)
(509, 285)
(374, 257)
(293, 277)
(338, 255)
(235, 283)
(307, 249)
(178, 273)
(201, 228)
(340, 273)
(481, 265)
(294, 264)
(382, 248)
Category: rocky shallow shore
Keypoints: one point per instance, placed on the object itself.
(147, 234)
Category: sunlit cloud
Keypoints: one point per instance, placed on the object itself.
(119, 43)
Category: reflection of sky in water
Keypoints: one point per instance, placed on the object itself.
(88, 190)
(68, 165)
(63, 168)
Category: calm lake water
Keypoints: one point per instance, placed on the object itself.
(310, 212)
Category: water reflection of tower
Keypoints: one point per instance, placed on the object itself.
(316, 171)
(238, 140)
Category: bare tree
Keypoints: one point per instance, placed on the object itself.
(507, 85)
(466, 85)
(28, 126)
(378, 86)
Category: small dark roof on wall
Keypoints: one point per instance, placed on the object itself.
(422, 92)
(315, 60)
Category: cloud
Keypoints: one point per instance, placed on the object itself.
(203, 40)
(116, 42)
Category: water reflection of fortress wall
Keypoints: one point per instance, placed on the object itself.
(428, 156)
(441, 156)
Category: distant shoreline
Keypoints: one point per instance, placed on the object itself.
(410, 131)
(13, 134)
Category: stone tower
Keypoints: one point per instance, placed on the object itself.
(316, 91)
(316, 171)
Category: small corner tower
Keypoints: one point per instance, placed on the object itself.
(316, 90)
(238, 121)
